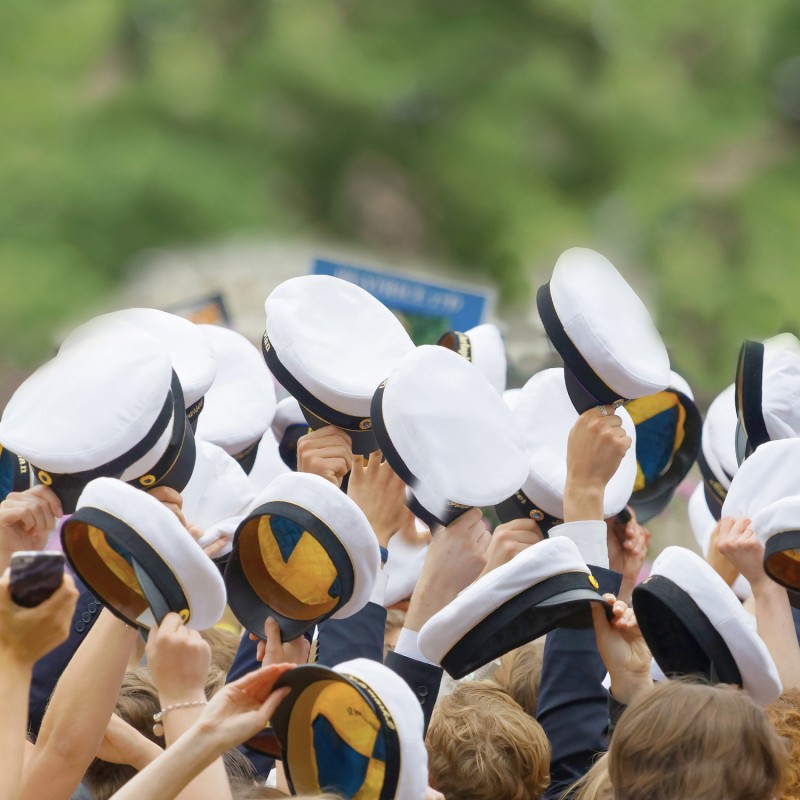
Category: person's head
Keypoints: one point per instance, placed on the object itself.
(224, 645)
(784, 714)
(520, 673)
(137, 703)
(483, 746)
(685, 739)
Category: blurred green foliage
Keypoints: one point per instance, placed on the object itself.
(490, 135)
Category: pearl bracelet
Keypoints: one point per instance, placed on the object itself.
(158, 728)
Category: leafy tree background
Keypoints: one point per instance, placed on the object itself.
(488, 135)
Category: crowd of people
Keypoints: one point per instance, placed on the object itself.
(349, 567)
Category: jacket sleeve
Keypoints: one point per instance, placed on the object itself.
(424, 680)
(48, 669)
(359, 636)
(573, 705)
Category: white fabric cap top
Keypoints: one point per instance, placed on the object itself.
(466, 634)
(483, 346)
(287, 413)
(602, 330)
(240, 404)
(136, 556)
(693, 623)
(90, 404)
(511, 397)
(703, 524)
(191, 357)
(544, 417)
(330, 344)
(447, 432)
(268, 464)
(770, 474)
(217, 496)
(717, 461)
(305, 552)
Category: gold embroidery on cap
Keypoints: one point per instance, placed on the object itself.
(593, 581)
(383, 385)
(184, 615)
(453, 504)
(23, 465)
(365, 424)
(267, 345)
(147, 480)
(44, 477)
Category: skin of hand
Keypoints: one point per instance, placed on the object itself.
(179, 660)
(27, 634)
(510, 539)
(723, 567)
(326, 452)
(627, 550)
(740, 546)
(244, 707)
(597, 444)
(623, 650)
(26, 521)
(380, 494)
(456, 557)
(123, 744)
(273, 651)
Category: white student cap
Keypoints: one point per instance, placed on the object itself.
(693, 623)
(356, 730)
(240, 405)
(110, 405)
(778, 528)
(305, 552)
(191, 357)
(544, 587)
(767, 388)
(135, 555)
(668, 432)
(483, 346)
(544, 417)
(717, 457)
(448, 434)
(330, 344)
(602, 330)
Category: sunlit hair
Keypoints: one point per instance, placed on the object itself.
(520, 673)
(784, 714)
(594, 785)
(483, 746)
(686, 739)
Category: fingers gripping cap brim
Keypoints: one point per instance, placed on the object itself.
(138, 558)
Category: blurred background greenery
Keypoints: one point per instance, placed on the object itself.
(485, 135)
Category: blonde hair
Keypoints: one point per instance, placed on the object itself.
(685, 739)
(483, 746)
(520, 673)
(784, 714)
(594, 785)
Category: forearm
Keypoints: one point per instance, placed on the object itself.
(211, 782)
(15, 681)
(776, 627)
(78, 714)
(170, 773)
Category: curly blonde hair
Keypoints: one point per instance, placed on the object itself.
(784, 714)
(483, 746)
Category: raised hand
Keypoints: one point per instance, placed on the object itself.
(736, 541)
(627, 550)
(273, 651)
(326, 452)
(26, 521)
(510, 539)
(380, 494)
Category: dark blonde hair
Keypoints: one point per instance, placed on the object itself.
(784, 714)
(224, 645)
(689, 740)
(520, 673)
(483, 746)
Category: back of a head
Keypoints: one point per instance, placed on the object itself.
(695, 742)
(520, 673)
(784, 714)
(483, 746)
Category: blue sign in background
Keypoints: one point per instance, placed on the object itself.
(464, 309)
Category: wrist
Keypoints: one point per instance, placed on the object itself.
(764, 587)
(145, 754)
(181, 695)
(13, 663)
(583, 500)
(627, 686)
